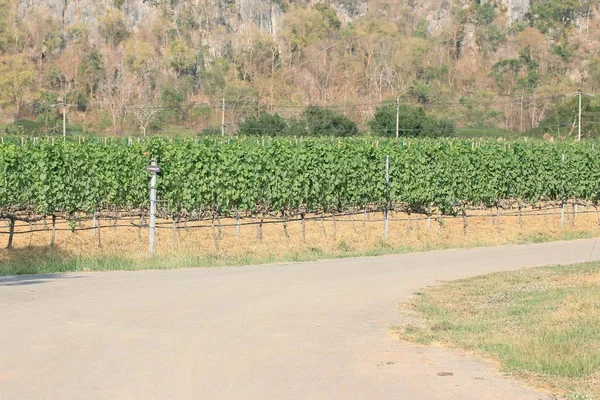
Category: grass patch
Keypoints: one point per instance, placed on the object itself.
(541, 324)
(46, 260)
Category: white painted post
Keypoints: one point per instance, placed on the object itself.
(154, 169)
(387, 195)
(579, 93)
(397, 117)
(562, 204)
(223, 118)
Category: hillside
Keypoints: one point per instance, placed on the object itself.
(127, 66)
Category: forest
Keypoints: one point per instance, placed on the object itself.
(292, 67)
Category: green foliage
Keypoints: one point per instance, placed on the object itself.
(17, 77)
(303, 27)
(326, 122)
(522, 71)
(211, 131)
(313, 121)
(594, 75)
(182, 58)
(351, 6)
(47, 112)
(113, 28)
(5, 28)
(544, 12)
(489, 37)
(413, 122)
(91, 71)
(262, 175)
(485, 14)
(564, 118)
(329, 15)
(174, 97)
(421, 29)
(12, 129)
(265, 124)
(420, 91)
(77, 98)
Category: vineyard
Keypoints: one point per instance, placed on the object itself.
(265, 180)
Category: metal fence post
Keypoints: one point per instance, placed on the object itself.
(154, 169)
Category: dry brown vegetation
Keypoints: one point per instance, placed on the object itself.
(360, 234)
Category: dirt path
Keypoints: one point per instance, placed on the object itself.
(298, 331)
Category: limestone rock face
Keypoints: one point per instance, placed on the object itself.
(515, 9)
(239, 15)
(512, 10)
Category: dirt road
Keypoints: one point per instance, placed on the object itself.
(316, 330)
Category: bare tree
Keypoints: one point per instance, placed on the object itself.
(145, 115)
(116, 92)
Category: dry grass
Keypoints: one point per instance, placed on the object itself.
(541, 324)
(347, 236)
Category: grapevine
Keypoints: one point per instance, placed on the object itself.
(228, 177)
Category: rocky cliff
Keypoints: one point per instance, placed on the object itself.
(238, 15)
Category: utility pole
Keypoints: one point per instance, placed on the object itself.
(64, 121)
(63, 103)
(223, 119)
(579, 93)
(397, 116)
(521, 126)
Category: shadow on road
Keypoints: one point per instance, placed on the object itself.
(25, 280)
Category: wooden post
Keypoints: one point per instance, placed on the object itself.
(99, 230)
(334, 226)
(53, 237)
(214, 234)
(323, 224)
(285, 226)
(364, 223)
(303, 223)
(11, 233)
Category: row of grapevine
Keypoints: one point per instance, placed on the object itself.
(230, 176)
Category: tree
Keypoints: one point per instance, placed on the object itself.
(17, 76)
(113, 28)
(47, 111)
(145, 115)
(564, 118)
(413, 122)
(321, 121)
(7, 26)
(265, 124)
(91, 72)
(485, 14)
(534, 40)
(182, 58)
(116, 92)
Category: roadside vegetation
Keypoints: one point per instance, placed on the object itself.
(542, 324)
(123, 249)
